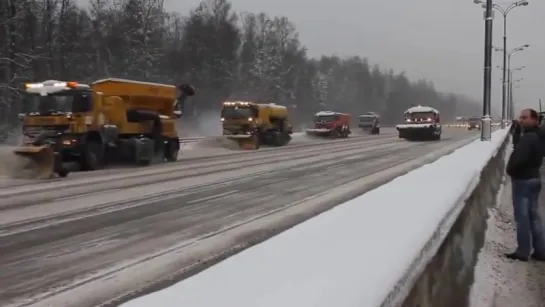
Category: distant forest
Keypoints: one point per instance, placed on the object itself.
(226, 55)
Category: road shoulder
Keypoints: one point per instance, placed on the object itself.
(500, 282)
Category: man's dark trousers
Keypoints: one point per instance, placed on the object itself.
(525, 193)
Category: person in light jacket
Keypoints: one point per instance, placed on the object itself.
(523, 167)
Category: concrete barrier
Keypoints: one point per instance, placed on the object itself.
(447, 278)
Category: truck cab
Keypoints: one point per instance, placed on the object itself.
(53, 109)
(422, 123)
(251, 124)
(474, 123)
(239, 118)
(332, 124)
(369, 122)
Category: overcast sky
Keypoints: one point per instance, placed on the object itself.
(439, 40)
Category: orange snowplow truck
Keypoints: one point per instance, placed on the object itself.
(71, 126)
(331, 124)
(252, 124)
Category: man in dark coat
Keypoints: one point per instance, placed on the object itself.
(524, 169)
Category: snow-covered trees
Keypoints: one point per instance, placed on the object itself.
(226, 55)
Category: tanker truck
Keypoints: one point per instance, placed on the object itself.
(252, 124)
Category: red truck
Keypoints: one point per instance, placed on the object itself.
(331, 124)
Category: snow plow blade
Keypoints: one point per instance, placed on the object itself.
(40, 161)
(245, 142)
(318, 132)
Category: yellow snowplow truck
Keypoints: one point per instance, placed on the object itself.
(252, 124)
(70, 126)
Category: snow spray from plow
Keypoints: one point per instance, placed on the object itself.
(39, 162)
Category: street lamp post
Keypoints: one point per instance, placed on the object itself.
(486, 122)
(510, 76)
(504, 11)
(511, 105)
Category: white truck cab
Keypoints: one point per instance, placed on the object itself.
(421, 124)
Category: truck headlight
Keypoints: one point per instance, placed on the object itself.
(69, 142)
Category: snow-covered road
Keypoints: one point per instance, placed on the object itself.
(102, 235)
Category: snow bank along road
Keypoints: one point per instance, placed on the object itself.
(92, 239)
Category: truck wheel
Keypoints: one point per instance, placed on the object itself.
(287, 137)
(91, 157)
(279, 139)
(257, 141)
(146, 162)
(171, 151)
(62, 173)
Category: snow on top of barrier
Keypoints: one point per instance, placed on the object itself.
(350, 256)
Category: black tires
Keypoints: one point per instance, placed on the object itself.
(341, 132)
(280, 138)
(171, 150)
(257, 141)
(92, 156)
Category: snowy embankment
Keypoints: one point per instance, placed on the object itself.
(501, 282)
(370, 251)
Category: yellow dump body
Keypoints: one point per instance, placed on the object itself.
(268, 111)
(119, 96)
(140, 95)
